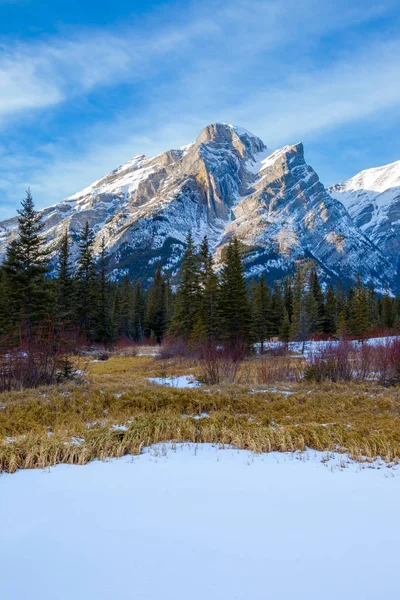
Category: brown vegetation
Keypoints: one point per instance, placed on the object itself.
(117, 411)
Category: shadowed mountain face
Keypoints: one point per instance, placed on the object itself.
(221, 185)
(372, 198)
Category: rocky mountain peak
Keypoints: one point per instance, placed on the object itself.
(221, 185)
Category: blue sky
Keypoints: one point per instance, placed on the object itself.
(86, 85)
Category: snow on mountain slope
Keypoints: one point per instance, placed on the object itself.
(290, 215)
(222, 184)
(372, 198)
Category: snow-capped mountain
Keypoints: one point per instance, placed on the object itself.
(373, 200)
(224, 184)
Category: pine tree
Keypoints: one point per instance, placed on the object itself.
(116, 312)
(233, 301)
(261, 311)
(359, 311)
(329, 325)
(5, 317)
(288, 296)
(316, 292)
(277, 309)
(206, 326)
(388, 312)
(126, 310)
(139, 311)
(102, 320)
(25, 266)
(65, 281)
(86, 283)
(298, 291)
(188, 297)
(156, 315)
(284, 332)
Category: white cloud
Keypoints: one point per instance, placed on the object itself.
(252, 63)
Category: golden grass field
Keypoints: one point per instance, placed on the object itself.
(116, 410)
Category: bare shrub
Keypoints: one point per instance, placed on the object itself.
(270, 369)
(386, 362)
(332, 362)
(220, 364)
(174, 347)
(43, 359)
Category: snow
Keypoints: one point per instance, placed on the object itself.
(181, 381)
(369, 195)
(200, 523)
(314, 347)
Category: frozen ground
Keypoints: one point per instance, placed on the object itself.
(199, 524)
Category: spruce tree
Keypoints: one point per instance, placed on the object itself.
(126, 310)
(329, 325)
(207, 322)
(26, 266)
(234, 307)
(261, 311)
(139, 311)
(156, 316)
(359, 311)
(5, 320)
(277, 309)
(65, 281)
(284, 332)
(102, 319)
(188, 296)
(86, 284)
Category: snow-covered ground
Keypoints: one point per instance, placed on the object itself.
(313, 347)
(180, 381)
(200, 523)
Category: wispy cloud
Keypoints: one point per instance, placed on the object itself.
(44, 73)
(260, 64)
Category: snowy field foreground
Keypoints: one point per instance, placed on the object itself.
(201, 524)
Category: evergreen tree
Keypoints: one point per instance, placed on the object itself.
(233, 301)
(65, 281)
(188, 297)
(207, 323)
(298, 291)
(261, 311)
(86, 284)
(103, 320)
(288, 297)
(388, 314)
(25, 266)
(5, 320)
(284, 332)
(156, 315)
(329, 326)
(316, 292)
(277, 309)
(139, 310)
(359, 311)
(126, 310)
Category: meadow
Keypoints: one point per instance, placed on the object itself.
(262, 404)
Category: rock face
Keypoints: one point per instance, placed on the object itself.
(373, 200)
(223, 184)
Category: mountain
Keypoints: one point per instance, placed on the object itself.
(373, 200)
(224, 184)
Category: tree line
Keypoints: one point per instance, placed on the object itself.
(203, 306)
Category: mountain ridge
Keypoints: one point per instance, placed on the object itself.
(224, 183)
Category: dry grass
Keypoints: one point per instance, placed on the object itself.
(117, 411)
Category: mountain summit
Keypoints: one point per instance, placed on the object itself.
(372, 198)
(222, 185)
